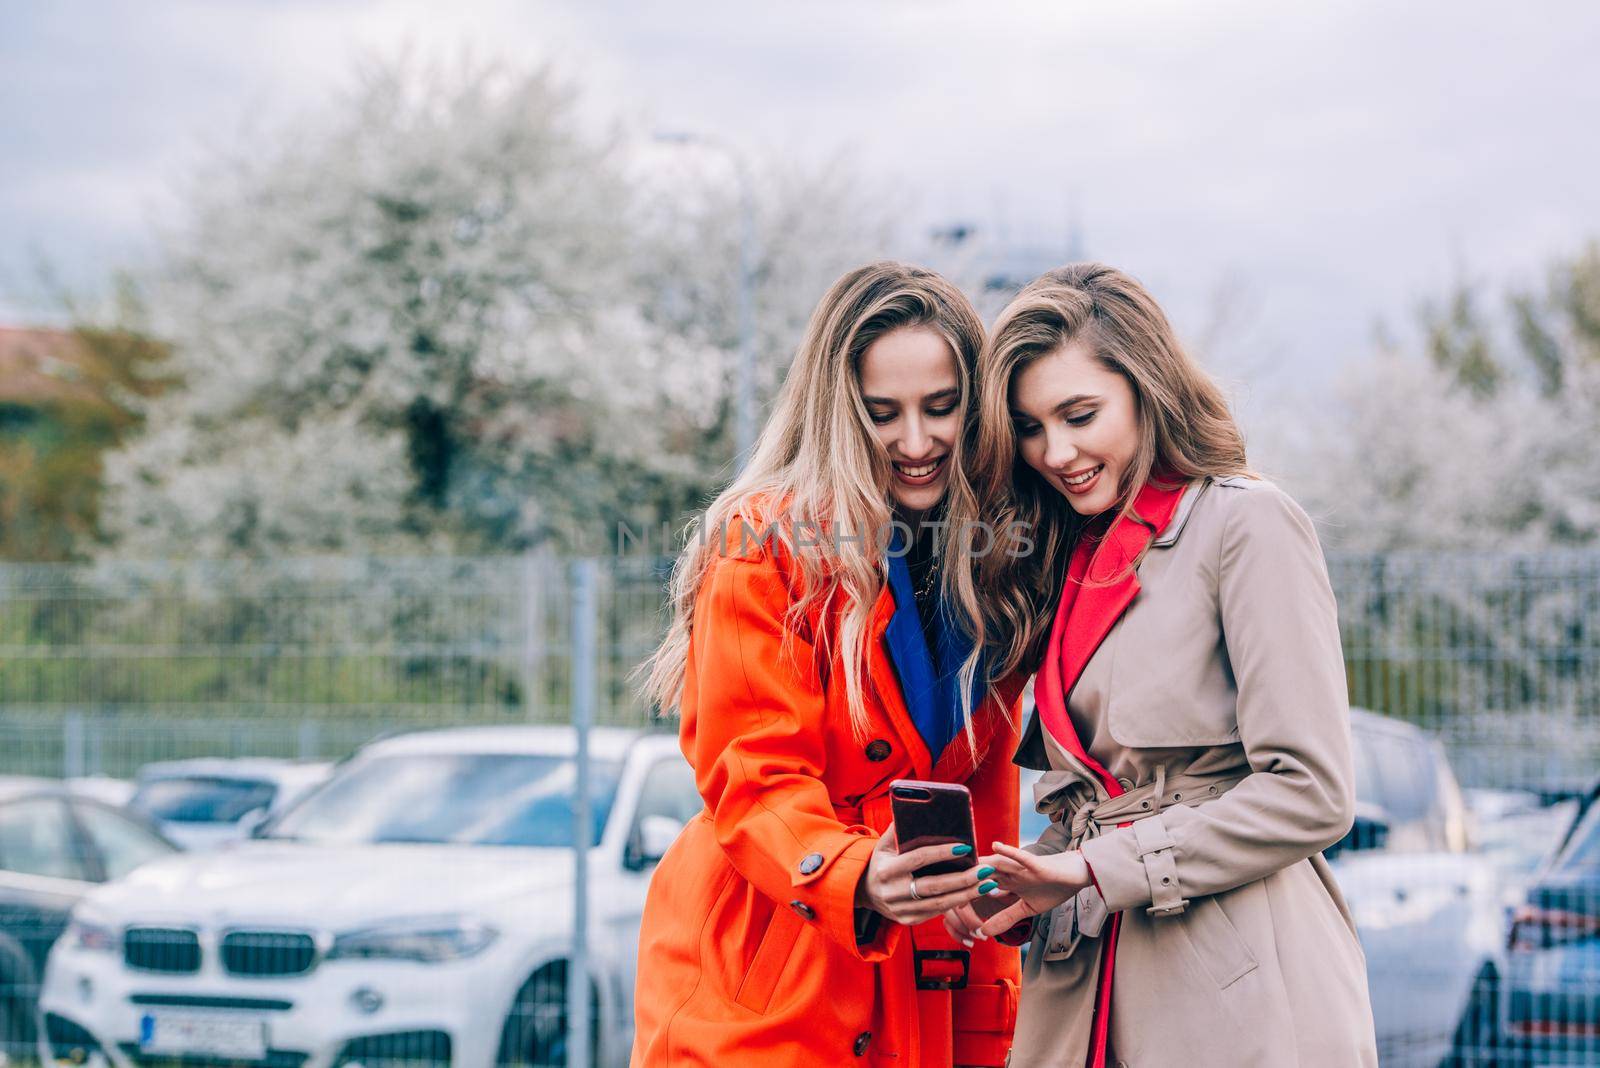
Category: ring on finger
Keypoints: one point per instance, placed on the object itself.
(914, 895)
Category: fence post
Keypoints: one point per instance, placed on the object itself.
(306, 739)
(72, 742)
(532, 635)
(94, 762)
(584, 663)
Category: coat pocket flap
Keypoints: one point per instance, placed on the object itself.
(1221, 949)
(1092, 912)
(1062, 934)
(766, 967)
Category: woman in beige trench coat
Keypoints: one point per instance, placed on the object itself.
(1193, 721)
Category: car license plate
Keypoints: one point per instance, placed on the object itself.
(214, 1034)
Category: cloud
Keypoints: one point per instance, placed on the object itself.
(1341, 160)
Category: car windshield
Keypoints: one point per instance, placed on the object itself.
(1583, 848)
(1520, 841)
(452, 798)
(201, 798)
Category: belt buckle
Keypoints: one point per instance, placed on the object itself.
(933, 982)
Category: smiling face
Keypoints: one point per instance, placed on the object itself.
(913, 394)
(1077, 424)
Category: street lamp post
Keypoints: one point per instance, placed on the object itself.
(744, 388)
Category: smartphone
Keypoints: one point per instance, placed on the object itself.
(934, 813)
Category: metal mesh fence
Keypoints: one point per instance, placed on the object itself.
(1497, 654)
(1481, 930)
(105, 669)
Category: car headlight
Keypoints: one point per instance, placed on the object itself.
(93, 934)
(426, 940)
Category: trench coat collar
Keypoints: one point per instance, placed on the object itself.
(1180, 518)
(1101, 583)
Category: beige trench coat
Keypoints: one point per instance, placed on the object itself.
(1218, 700)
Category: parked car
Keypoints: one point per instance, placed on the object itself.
(1425, 903)
(208, 802)
(1543, 1006)
(419, 906)
(55, 846)
(1425, 907)
(104, 788)
(1516, 830)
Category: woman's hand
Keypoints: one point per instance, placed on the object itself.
(1040, 883)
(886, 888)
(965, 923)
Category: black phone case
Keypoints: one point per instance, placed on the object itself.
(934, 813)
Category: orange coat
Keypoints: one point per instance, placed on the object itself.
(748, 951)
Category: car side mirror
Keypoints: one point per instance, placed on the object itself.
(1369, 833)
(652, 837)
(255, 822)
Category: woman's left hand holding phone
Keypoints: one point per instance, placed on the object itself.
(888, 890)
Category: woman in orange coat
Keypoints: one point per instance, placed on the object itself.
(815, 655)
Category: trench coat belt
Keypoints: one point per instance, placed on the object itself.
(1084, 915)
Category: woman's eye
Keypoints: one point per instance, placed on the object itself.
(1025, 430)
(882, 418)
(1080, 420)
(939, 413)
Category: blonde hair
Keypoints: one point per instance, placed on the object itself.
(1185, 430)
(818, 466)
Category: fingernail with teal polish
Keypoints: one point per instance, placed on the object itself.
(961, 850)
(985, 871)
(984, 888)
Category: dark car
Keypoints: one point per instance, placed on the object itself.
(55, 846)
(1545, 1008)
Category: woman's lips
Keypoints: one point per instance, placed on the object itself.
(930, 471)
(1087, 484)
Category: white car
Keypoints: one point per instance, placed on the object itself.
(419, 906)
(102, 788)
(208, 802)
(1516, 830)
(1426, 903)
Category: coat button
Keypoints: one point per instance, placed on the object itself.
(803, 910)
(810, 863)
(863, 1040)
(878, 750)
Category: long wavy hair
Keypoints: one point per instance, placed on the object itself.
(1185, 431)
(818, 466)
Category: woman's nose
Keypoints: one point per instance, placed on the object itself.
(916, 441)
(1058, 449)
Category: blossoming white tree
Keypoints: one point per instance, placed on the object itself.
(443, 317)
(1483, 441)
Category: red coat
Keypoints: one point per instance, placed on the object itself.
(748, 952)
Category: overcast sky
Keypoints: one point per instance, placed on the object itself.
(1324, 167)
